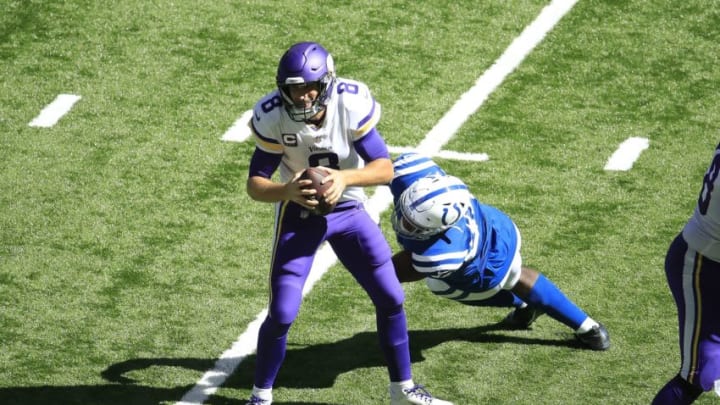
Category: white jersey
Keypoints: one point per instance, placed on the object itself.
(702, 232)
(350, 114)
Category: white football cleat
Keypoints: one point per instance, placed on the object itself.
(257, 401)
(416, 395)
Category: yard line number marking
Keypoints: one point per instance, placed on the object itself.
(50, 115)
(432, 144)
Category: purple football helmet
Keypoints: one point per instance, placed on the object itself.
(303, 63)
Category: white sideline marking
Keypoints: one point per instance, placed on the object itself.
(382, 198)
(52, 113)
(240, 130)
(627, 153)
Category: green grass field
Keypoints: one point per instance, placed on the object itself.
(131, 257)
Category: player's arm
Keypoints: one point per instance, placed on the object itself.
(378, 167)
(404, 269)
(376, 172)
(261, 187)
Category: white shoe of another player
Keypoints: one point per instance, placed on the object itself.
(416, 395)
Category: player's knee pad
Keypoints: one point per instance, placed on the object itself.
(382, 286)
(388, 311)
(283, 314)
(270, 327)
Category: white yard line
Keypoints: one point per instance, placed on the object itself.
(445, 154)
(626, 154)
(240, 130)
(432, 144)
(51, 114)
(491, 79)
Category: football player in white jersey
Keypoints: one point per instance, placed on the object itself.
(692, 269)
(470, 252)
(312, 119)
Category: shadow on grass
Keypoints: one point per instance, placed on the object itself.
(314, 366)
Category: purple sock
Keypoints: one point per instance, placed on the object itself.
(394, 341)
(677, 392)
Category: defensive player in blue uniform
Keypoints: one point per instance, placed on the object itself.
(470, 252)
(692, 268)
(314, 118)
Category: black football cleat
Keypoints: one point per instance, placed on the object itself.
(521, 318)
(596, 339)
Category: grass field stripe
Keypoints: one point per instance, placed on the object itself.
(626, 154)
(379, 202)
(471, 101)
(240, 131)
(51, 114)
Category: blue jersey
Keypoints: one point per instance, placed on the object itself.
(473, 255)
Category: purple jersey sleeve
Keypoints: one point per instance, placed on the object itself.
(263, 164)
(372, 146)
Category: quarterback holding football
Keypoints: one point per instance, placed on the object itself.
(313, 119)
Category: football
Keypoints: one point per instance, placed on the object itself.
(316, 175)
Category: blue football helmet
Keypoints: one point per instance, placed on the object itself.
(430, 206)
(305, 63)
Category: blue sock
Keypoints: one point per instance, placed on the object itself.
(546, 296)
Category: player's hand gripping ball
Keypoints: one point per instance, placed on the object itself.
(316, 175)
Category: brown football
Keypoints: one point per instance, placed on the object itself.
(316, 175)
